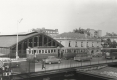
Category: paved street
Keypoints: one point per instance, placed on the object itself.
(35, 67)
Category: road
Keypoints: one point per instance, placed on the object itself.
(35, 67)
(72, 63)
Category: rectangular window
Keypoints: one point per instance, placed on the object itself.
(81, 44)
(42, 51)
(51, 51)
(39, 51)
(54, 50)
(48, 51)
(87, 44)
(69, 44)
(62, 50)
(45, 51)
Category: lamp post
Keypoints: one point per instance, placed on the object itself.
(18, 22)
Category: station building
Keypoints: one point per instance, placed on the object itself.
(8, 43)
(71, 39)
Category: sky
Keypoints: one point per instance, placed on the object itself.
(64, 15)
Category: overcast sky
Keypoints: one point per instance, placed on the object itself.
(64, 15)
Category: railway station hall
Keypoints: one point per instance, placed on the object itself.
(8, 43)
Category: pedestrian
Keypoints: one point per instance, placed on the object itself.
(43, 64)
(61, 54)
(58, 53)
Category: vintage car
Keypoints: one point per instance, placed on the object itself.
(52, 59)
(8, 62)
(83, 57)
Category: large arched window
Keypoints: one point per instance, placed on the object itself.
(35, 41)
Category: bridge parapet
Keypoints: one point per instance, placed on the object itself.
(60, 74)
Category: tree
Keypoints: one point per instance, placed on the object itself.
(81, 31)
(76, 31)
(39, 30)
(114, 44)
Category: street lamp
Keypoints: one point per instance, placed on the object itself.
(18, 22)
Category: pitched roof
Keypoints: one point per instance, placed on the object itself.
(71, 35)
(9, 40)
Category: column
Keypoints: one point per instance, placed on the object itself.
(28, 43)
(37, 40)
(42, 40)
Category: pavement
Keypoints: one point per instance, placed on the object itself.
(18, 60)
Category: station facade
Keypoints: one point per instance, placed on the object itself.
(8, 43)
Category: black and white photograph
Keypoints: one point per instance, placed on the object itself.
(58, 39)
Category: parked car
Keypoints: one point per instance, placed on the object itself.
(83, 57)
(97, 54)
(52, 59)
(8, 62)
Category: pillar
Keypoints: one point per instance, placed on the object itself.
(28, 43)
(37, 40)
(42, 40)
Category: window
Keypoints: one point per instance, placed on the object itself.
(76, 44)
(51, 51)
(39, 51)
(34, 51)
(81, 44)
(48, 51)
(63, 50)
(92, 44)
(45, 51)
(75, 51)
(54, 50)
(81, 50)
(69, 44)
(42, 51)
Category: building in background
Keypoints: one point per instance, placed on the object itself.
(71, 39)
(112, 36)
(95, 33)
(49, 32)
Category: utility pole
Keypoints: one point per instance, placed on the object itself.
(18, 22)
